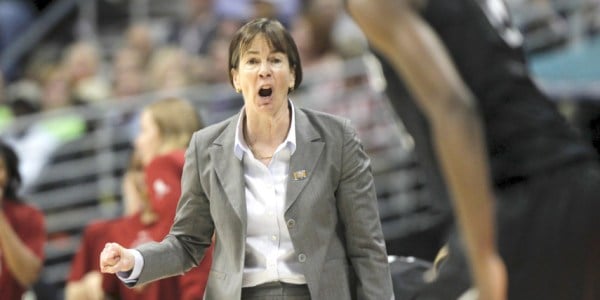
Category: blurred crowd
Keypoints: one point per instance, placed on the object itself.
(150, 57)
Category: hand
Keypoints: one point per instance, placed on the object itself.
(115, 258)
(93, 285)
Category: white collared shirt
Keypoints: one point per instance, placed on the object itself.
(270, 254)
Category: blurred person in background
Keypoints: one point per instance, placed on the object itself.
(313, 33)
(169, 69)
(196, 30)
(194, 33)
(82, 64)
(18, 99)
(58, 125)
(151, 190)
(129, 81)
(22, 232)
(322, 64)
(497, 137)
(166, 127)
(286, 192)
(128, 71)
(85, 279)
(218, 60)
(224, 101)
(139, 38)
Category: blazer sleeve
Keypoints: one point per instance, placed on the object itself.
(358, 210)
(190, 235)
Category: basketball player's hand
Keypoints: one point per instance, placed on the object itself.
(115, 258)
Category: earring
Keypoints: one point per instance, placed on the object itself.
(238, 90)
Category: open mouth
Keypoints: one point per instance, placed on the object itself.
(265, 92)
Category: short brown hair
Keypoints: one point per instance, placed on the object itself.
(276, 35)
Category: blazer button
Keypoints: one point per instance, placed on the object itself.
(291, 223)
(301, 257)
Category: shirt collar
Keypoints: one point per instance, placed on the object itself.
(240, 147)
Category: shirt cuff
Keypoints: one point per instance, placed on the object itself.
(132, 276)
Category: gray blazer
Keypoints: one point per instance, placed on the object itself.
(331, 212)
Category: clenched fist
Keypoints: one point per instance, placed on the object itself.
(115, 258)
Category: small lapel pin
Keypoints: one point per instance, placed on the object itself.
(299, 175)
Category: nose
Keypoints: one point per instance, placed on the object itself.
(265, 70)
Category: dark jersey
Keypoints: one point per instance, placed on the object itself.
(525, 132)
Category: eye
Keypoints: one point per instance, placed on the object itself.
(252, 61)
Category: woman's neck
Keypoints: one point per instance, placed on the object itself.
(263, 135)
(267, 131)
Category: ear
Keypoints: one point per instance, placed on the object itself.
(234, 77)
(292, 81)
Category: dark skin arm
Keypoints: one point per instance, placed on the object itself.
(420, 58)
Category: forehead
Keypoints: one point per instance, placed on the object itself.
(261, 43)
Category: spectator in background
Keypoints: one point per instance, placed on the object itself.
(22, 232)
(196, 34)
(128, 83)
(322, 64)
(130, 64)
(197, 29)
(85, 280)
(313, 32)
(169, 69)
(138, 38)
(83, 70)
(151, 190)
(23, 98)
(218, 60)
(39, 139)
(128, 71)
(166, 127)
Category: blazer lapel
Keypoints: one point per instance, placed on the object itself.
(229, 168)
(309, 146)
